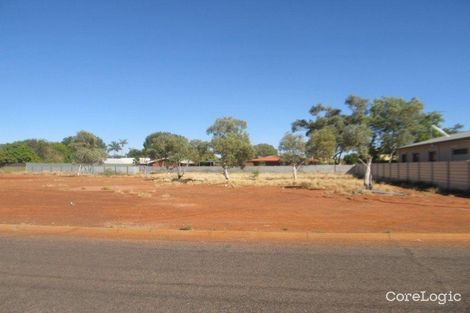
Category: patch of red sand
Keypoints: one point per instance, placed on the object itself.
(135, 202)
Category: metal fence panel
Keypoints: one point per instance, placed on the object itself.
(340, 169)
(84, 169)
(447, 175)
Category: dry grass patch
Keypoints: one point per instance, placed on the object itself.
(335, 183)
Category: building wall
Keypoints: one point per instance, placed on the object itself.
(443, 150)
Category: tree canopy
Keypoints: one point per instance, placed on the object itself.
(370, 128)
(396, 122)
(86, 147)
(49, 152)
(322, 145)
(264, 149)
(18, 152)
(351, 131)
(227, 125)
(117, 146)
(230, 141)
(201, 151)
(165, 145)
(293, 148)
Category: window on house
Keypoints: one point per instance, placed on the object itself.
(415, 157)
(432, 156)
(460, 151)
(404, 158)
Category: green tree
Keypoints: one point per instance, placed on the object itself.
(227, 125)
(231, 142)
(322, 145)
(351, 131)
(264, 149)
(114, 146)
(62, 153)
(123, 143)
(352, 158)
(136, 154)
(293, 151)
(86, 148)
(49, 152)
(17, 152)
(201, 151)
(164, 145)
(397, 122)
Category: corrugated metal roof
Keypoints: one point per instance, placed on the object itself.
(462, 135)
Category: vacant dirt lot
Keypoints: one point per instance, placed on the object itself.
(140, 202)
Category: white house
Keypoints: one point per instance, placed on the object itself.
(125, 161)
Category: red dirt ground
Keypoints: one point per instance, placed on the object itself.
(137, 202)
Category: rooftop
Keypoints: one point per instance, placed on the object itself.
(458, 136)
(269, 158)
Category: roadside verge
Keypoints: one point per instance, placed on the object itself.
(141, 233)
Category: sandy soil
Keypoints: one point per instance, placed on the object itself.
(139, 202)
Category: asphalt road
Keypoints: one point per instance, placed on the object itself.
(50, 274)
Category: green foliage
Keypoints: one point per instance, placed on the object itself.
(322, 145)
(264, 149)
(114, 146)
(88, 155)
(397, 122)
(293, 149)
(200, 151)
(63, 151)
(231, 141)
(49, 152)
(17, 152)
(135, 153)
(227, 125)
(380, 127)
(117, 146)
(351, 131)
(352, 158)
(86, 148)
(234, 150)
(164, 145)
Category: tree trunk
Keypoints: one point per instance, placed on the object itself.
(226, 175)
(368, 174)
(392, 154)
(180, 172)
(294, 171)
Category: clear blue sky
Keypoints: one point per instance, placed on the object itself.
(124, 69)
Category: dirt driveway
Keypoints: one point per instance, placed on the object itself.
(137, 202)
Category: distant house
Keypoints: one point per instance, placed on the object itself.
(125, 161)
(164, 162)
(454, 147)
(271, 160)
